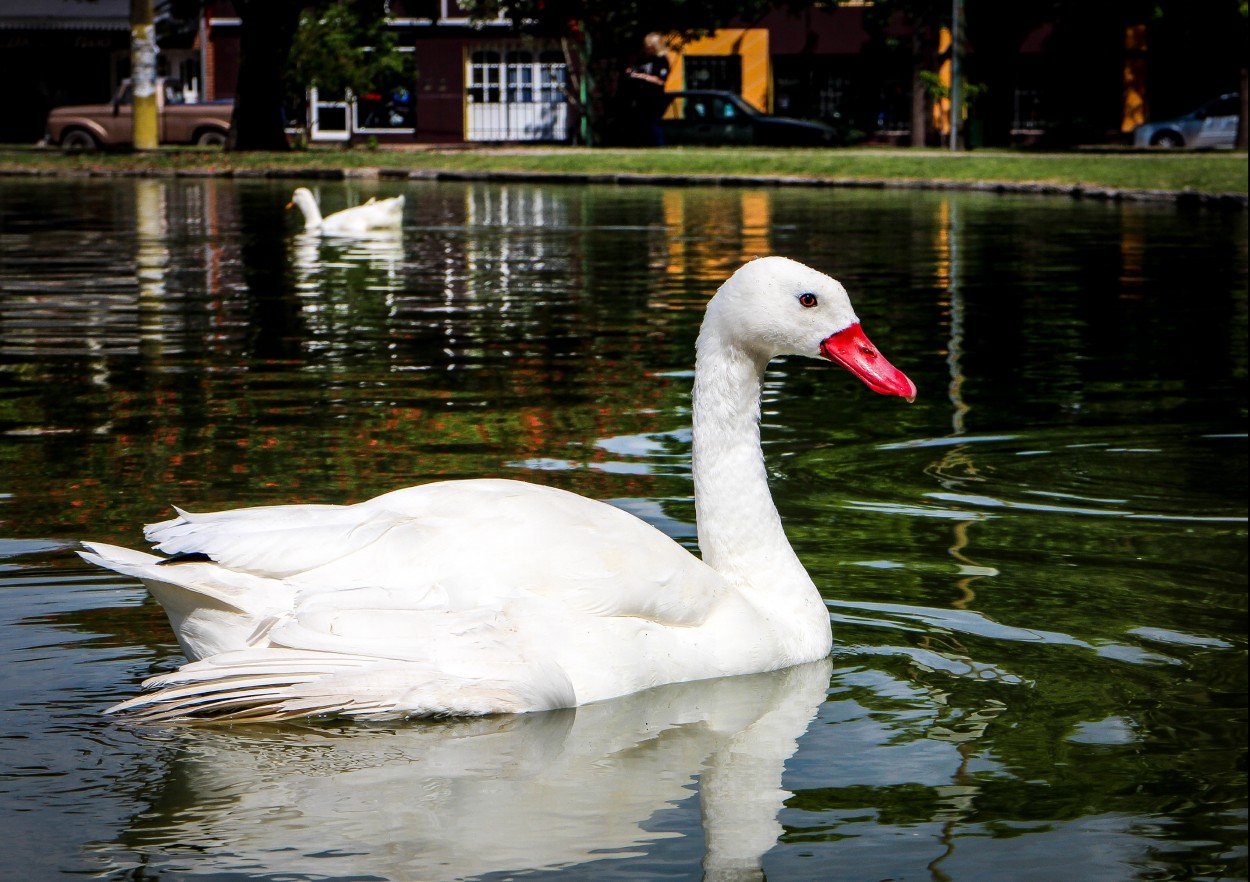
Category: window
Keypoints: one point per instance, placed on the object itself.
(1227, 106)
(553, 77)
(516, 94)
(389, 105)
(484, 77)
(519, 67)
(720, 72)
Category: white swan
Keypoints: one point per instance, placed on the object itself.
(376, 214)
(497, 596)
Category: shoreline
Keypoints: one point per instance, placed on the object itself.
(1076, 191)
(1100, 177)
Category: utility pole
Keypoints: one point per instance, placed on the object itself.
(143, 73)
(957, 12)
(585, 90)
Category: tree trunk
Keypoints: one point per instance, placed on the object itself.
(267, 29)
(1245, 106)
(922, 59)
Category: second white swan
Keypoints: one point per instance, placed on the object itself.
(376, 214)
(498, 596)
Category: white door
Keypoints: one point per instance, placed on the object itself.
(516, 95)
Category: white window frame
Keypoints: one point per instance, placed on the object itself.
(515, 93)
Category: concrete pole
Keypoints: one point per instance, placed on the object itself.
(143, 73)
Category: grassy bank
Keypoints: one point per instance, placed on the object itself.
(1207, 172)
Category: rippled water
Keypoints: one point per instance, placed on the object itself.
(1036, 573)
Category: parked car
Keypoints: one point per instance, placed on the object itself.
(92, 126)
(1214, 124)
(708, 117)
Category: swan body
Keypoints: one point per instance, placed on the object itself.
(498, 596)
(376, 214)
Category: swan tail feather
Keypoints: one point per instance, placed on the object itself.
(211, 609)
(142, 566)
(268, 685)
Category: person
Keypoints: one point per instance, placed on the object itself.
(648, 78)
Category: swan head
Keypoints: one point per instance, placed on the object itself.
(303, 199)
(775, 306)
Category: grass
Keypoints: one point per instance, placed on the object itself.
(1201, 172)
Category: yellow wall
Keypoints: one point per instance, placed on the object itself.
(942, 106)
(1135, 110)
(750, 43)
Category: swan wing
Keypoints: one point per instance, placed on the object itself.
(456, 546)
(372, 215)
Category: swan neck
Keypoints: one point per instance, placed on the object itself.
(740, 531)
(312, 213)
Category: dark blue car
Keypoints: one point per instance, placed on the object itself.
(707, 118)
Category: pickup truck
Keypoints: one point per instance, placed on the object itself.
(92, 126)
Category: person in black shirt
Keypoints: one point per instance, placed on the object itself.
(648, 78)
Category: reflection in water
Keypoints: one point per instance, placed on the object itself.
(462, 799)
(710, 238)
(957, 458)
(151, 263)
(1036, 572)
(327, 269)
(948, 277)
(316, 258)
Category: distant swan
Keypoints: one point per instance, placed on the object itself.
(376, 214)
(497, 596)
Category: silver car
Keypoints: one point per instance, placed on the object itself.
(1214, 124)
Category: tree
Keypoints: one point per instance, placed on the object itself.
(994, 31)
(267, 33)
(600, 39)
(288, 46)
(924, 19)
(1195, 51)
(1243, 120)
(343, 47)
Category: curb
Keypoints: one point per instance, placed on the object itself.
(1181, 197)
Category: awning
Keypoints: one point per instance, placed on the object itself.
(65, 15)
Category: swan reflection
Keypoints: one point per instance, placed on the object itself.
(319, 259)
(459, 799)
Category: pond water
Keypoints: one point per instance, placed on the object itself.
(1036, 574)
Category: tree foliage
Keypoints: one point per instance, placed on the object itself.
(344, 46)
(289, 45)
(1195, 51)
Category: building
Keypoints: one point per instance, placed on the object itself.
(480, 82)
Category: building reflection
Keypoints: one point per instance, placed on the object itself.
(507, 253)
(508, 328)
(956, 466)
(511, 326)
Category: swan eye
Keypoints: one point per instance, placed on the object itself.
(808, 300)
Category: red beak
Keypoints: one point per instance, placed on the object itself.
(855, 352)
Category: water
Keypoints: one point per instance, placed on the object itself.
(1036, 573)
